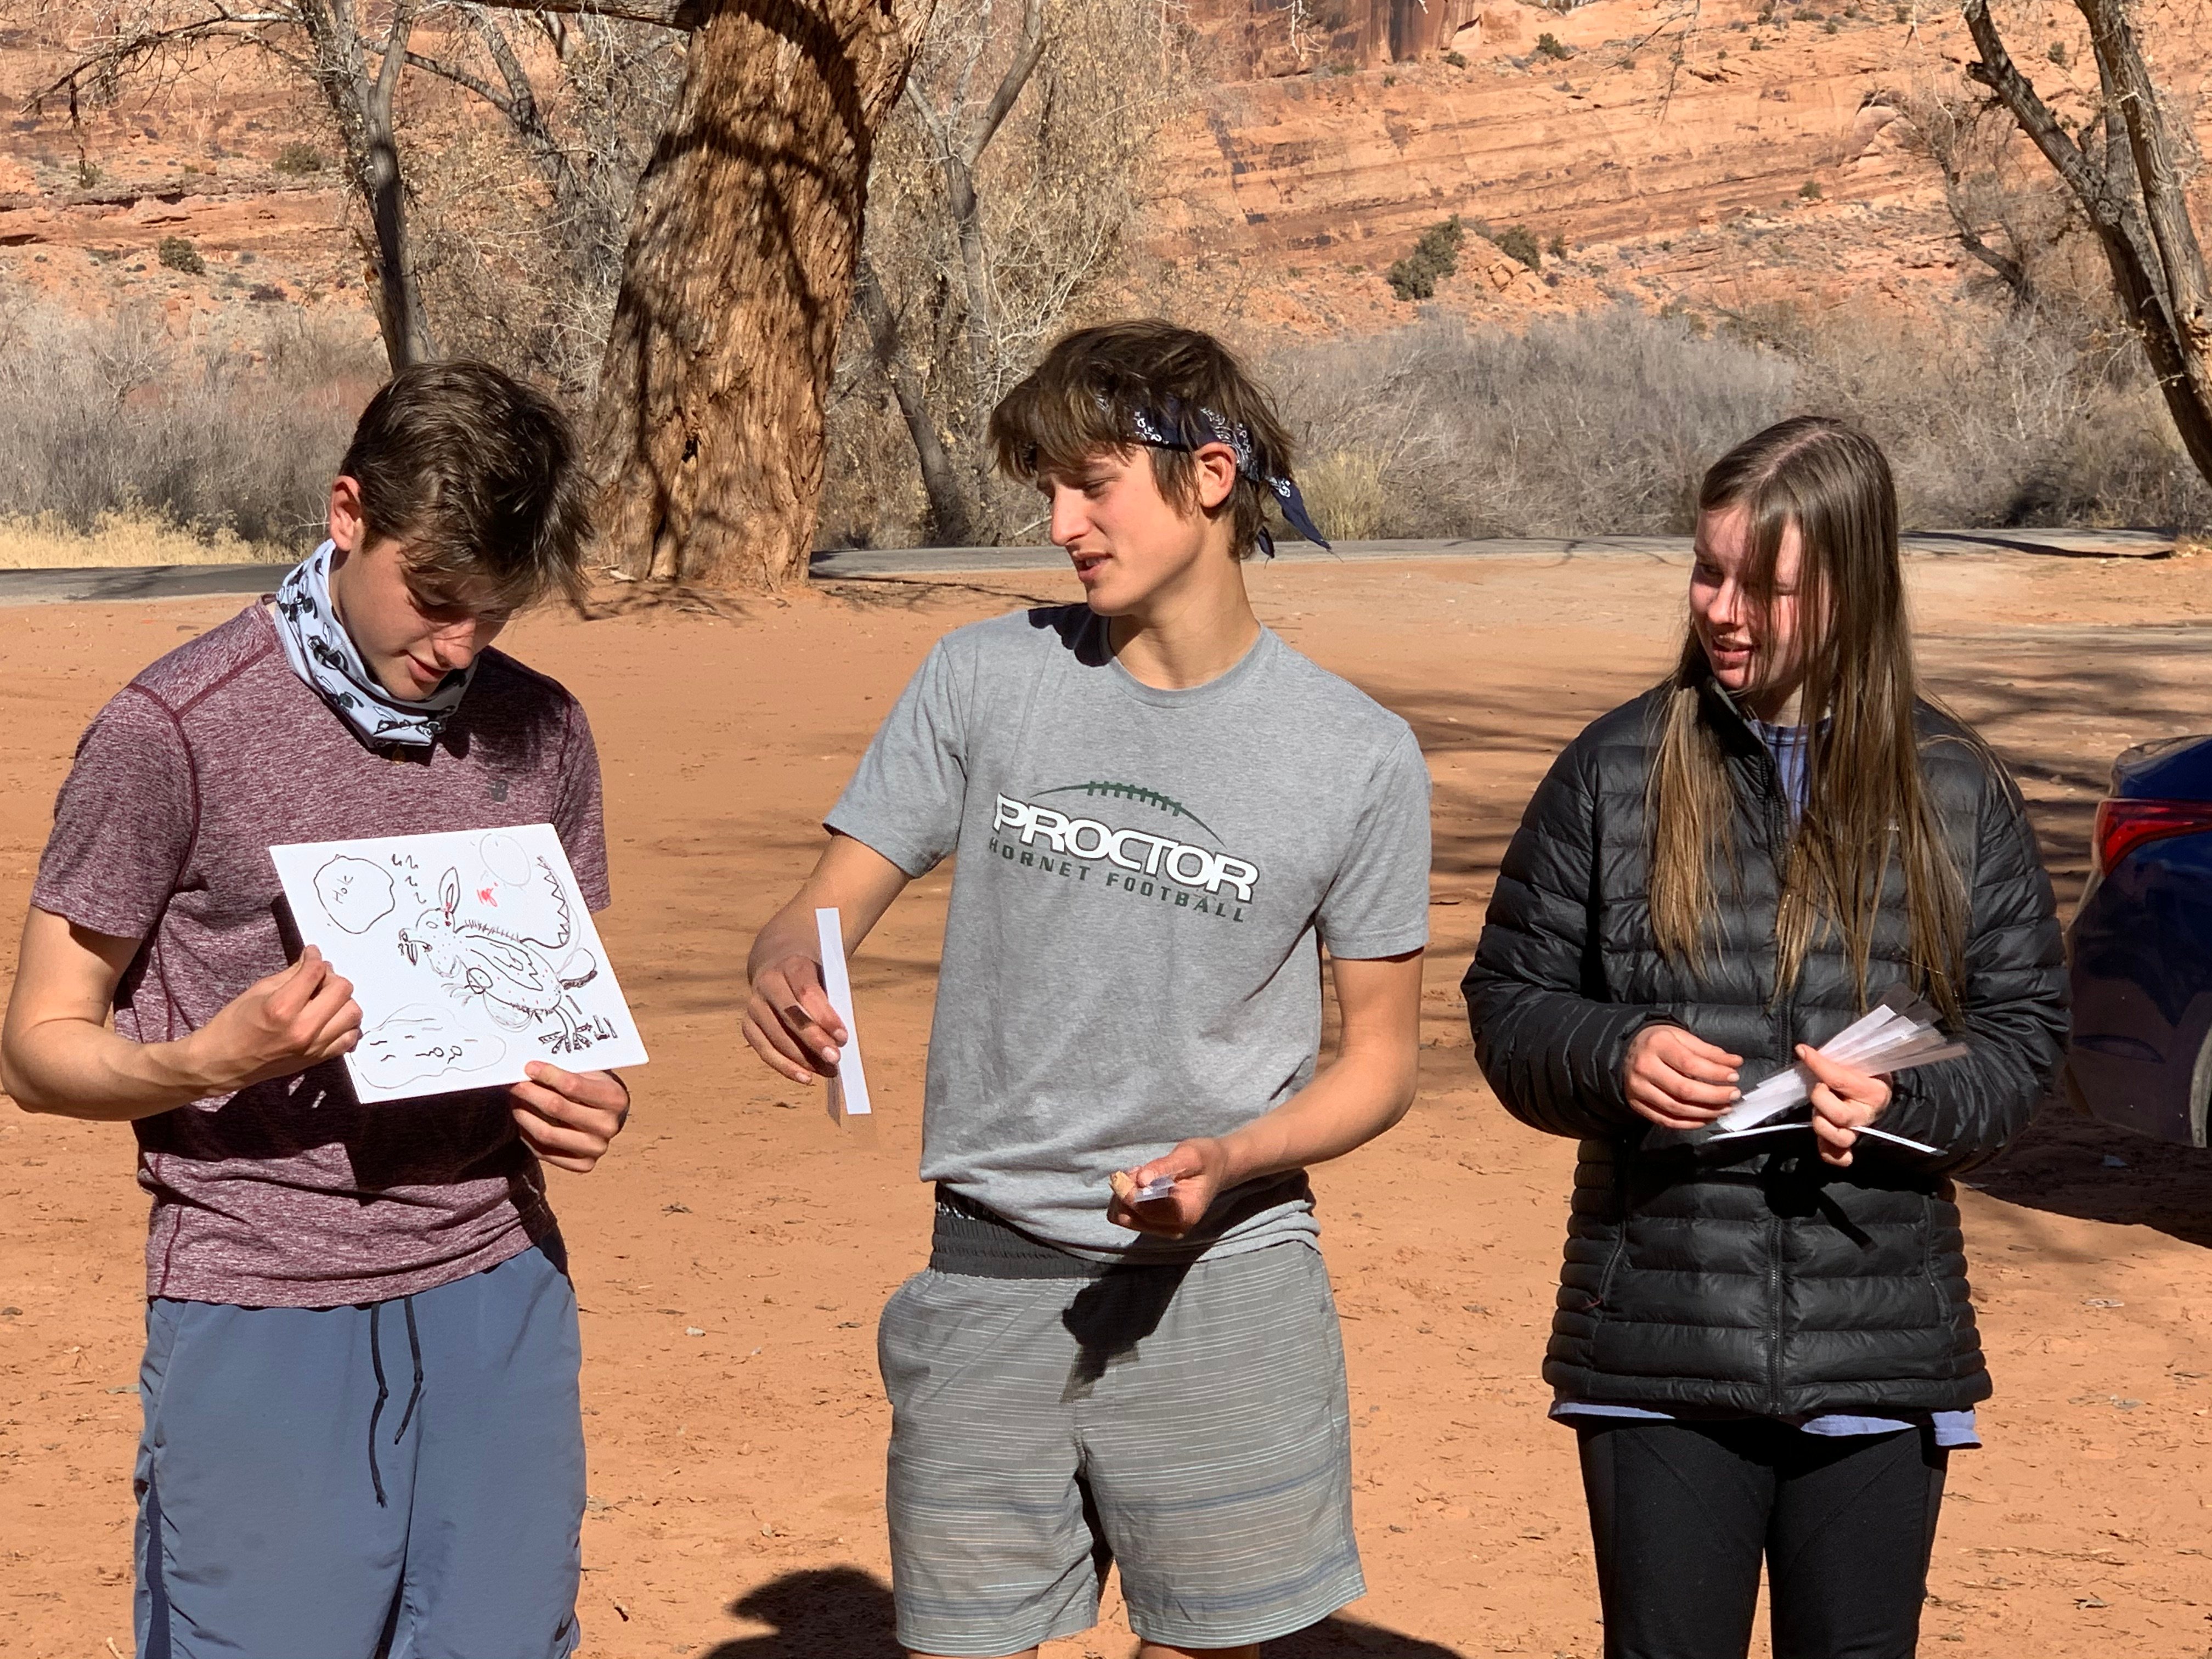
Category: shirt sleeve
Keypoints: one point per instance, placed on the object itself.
(124, 822)
(579, 813)
(1378, 905)
(906, 799)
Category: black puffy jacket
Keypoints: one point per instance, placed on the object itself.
(1751, 1276)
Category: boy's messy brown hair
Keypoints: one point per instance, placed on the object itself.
(1098, 387)
(478, 476)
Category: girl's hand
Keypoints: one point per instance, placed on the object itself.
(1844, 1100)
(1199, 1167)
(1679, 1081)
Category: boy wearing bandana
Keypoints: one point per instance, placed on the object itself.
(1124, 1347)
(361, 1425)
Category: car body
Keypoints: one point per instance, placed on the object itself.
(2139, 1052)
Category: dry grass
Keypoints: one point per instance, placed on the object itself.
(230, 438)
(46, 543)
(1603, 423)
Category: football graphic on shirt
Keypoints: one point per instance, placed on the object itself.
(1136, 792)
(1149, 863)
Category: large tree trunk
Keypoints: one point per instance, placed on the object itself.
(2131, 184)
(706, 434)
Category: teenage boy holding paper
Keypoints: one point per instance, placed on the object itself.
(363, 1432)
(1161, 812)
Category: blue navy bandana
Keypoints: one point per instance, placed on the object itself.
(1169, 428)
(322, 654)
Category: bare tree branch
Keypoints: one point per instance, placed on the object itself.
(461, 78)
(668, 14)
(406, 324)
(1997, 71)
(1012, 174)
(1027, 50)
(949, 523)
(120, 57)
(959, 162)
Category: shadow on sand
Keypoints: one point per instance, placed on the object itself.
(842, 1612)
(2058, 1166)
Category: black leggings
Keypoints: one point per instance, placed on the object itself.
(1681, 1513)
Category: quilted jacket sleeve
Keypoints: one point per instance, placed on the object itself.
(1550, 1046)
(2013, 997)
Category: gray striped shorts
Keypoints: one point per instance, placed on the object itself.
(1187, 1423)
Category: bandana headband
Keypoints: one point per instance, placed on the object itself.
(1174, 433)
(323, 654)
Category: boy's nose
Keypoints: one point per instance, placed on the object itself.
(455, 647)
(1069, 520)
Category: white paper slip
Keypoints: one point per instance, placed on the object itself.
(471, 952)
(1799, 1123)
(1158, 1187)
(849, 1088)
(1886, 1040)
(1910, 1146)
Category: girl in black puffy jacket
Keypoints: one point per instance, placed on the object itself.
(1766, 1346)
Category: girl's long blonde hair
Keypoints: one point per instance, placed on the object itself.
(1866, 803)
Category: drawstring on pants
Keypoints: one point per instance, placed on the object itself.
(383, 1394)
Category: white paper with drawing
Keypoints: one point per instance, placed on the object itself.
(471, 953)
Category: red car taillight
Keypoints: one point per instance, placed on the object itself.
(2123, 825)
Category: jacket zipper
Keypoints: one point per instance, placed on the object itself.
(1778, 831)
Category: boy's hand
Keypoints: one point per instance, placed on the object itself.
(1844, 1100)
(569, 1118)
(277, 1027)
(1678, 1080)
(1199, 1168)
(789, 1021)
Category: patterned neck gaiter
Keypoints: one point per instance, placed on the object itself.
(322, 654)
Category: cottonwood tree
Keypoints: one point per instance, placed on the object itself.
(743, 245)
(1008, 175)
(2128, 166)
(743, 234)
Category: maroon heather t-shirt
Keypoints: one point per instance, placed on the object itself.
(290, 1193)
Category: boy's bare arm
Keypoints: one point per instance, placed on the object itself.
(1352, 1099)
(57, 1053)
(788, 1020)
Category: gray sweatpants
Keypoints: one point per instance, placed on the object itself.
(1188, 1422)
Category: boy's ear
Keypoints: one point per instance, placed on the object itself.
(1216, 467)
(347, 524)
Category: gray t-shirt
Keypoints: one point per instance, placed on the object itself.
(1145, 877)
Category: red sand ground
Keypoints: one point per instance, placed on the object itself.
(735, 1509)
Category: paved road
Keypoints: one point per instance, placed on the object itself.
(175, 581)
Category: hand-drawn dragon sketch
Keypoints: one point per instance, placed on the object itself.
(520, 975)
(472, 953)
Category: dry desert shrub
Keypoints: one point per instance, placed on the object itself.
(1603, 423)
(1346, 489)
(1583, 426)
(108, 423)
(2041, 415)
